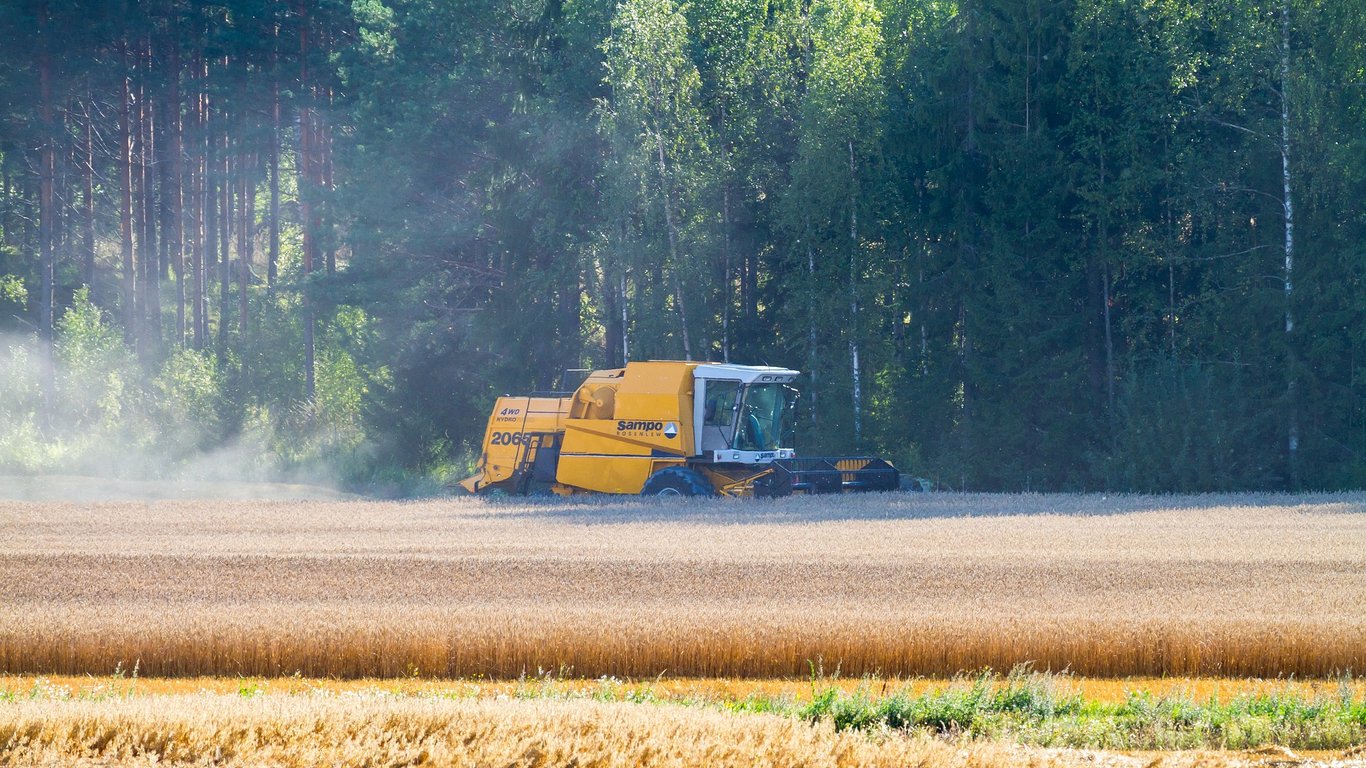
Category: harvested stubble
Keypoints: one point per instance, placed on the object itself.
(354, 731)
(897, 585)
(286, 731)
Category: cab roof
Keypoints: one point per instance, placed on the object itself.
(746, 374)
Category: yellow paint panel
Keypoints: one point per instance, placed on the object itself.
(512, 434)
(659, 391)
(619, 427)
(610, 474)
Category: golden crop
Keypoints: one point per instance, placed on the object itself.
(897, 585)
(287, 731)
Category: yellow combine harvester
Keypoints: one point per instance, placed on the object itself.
(664, 429)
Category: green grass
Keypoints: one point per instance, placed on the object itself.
(1034, 708)
(1027, 707)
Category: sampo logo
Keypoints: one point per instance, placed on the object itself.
(640, 426)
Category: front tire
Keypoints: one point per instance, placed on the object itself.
(677, 481)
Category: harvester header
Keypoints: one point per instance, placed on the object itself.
(664, 428)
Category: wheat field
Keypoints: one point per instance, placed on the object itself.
(896, 585)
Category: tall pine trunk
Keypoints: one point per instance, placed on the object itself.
(151, 304)
(273, 256)
(46, 212)
(211, 182)
(325, 179)
(199, 193)
(243, 248)
(88, 210)
(130, 314)
(246, 247)
(224, 244)
(174, 186)
(306, 191)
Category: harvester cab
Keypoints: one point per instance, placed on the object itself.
(747, 413)
(664, 428)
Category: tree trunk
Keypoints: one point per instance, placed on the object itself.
(196, 229)
(243, 248)
(625, 335)
(812, 352)
(323, 168)
(210, 215)
(1109, 343)
(141, 253)
(61, 192)
(48, 169)
(162, 161)
(151, 294)
(856, 371)
(325, 172)
(749, 289)
(174, 189)
(88, 222)
(6, 214)
(674, 266)
(224, 243)
(306, 214)
(130, 314)
(1292, 406)
(922, 310)
(273, 257)
(726, 301)
(611, 330)
(1103, 241)
(965, 360)
(244, 235)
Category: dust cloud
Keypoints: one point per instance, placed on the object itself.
(90, 423)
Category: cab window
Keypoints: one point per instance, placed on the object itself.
(719, 407)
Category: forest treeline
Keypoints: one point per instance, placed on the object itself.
(1013, 244)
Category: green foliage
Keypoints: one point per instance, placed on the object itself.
(662, 151)
(1053, 233)
(22, 447)
(12, 290)
(376, 24)
(188, 391)
(94, 368)
(1192, 428)
(1027, 707)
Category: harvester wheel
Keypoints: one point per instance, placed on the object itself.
(677, 481)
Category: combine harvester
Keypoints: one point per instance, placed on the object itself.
(664, 429)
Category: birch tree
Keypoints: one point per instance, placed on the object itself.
(659, 133)
(837, 145)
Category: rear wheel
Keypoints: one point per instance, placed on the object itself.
(677, 481)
